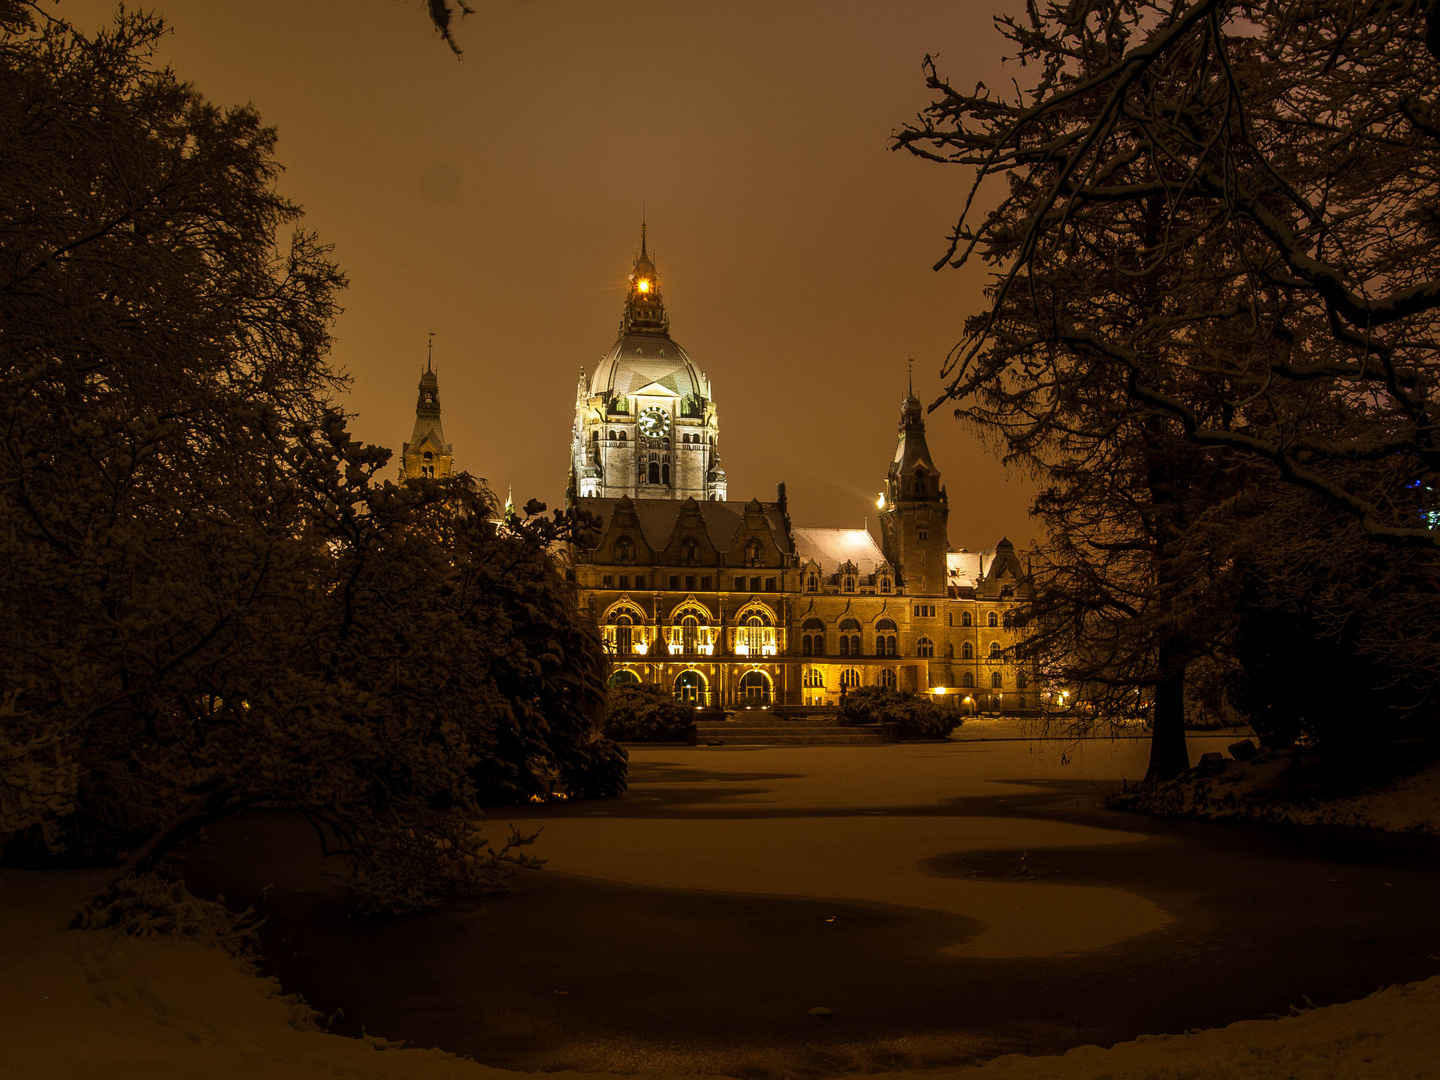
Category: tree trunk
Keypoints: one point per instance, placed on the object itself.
(1169, 756)
(203, 811)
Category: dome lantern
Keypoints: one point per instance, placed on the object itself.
(644, 309)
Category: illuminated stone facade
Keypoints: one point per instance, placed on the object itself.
(728, 604)
(645, 423)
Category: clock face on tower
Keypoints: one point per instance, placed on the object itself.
(654, 422)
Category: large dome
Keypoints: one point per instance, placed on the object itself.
(637, 360)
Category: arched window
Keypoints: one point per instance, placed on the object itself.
(994, 650)
(755, 688)
(887, 678)
(754, 550)
(624, 678)
(1021, 682)
(849, 679)
(844, 645)
(690, 635)
(665, 474)
(967, 679)
(813, 624)
(967, 651)
(814, 679)
(623, 632)
(805, 645)
(884, 583)
(992, 619)
(690, 686)
(622, 434)
(812, 583)
(752, 633)
(654, 472)
(885, 626)
(924, 647)
(612, 434)
(964, 618)
(949, 649)
(995, 680)
(849, 583)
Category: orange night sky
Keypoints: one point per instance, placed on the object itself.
(496, 200)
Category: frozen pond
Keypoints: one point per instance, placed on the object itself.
(946, 902)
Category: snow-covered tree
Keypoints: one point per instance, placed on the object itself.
(1213, 230)
(1287, 152)
(209, 601)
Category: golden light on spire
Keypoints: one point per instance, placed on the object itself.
(644, 285)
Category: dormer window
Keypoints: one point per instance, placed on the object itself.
(429, 456)
(884, 583)
(849, 585)
(812, 584)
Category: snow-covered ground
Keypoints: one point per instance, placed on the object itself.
(96, 1005)
(1256, 791)
(99, 1005)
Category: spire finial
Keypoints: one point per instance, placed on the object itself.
(912, 378)
(642, 228)
(430, 350)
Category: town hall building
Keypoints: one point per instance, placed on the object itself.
(726, 602)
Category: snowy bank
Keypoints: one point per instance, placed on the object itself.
(98, 1004)
(1275, 789)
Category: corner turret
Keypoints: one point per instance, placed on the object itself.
(915, 510)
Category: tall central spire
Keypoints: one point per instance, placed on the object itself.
(644, 309)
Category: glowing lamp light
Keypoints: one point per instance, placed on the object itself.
(880, 502)
(641, 647)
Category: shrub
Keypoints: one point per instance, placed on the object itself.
(596, 771)
(646, 714)
(914, 716)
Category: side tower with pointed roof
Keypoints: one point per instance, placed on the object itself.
(427, 453)
(915, 517)
(645, 420)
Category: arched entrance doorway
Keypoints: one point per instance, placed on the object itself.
(624, 678)
(755, 689)
(690, 686)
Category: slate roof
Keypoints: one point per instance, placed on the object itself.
(657, 519)
(831, 547)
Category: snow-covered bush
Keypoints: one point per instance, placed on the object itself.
(914, 716)
(636, 713)
(149, 905)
